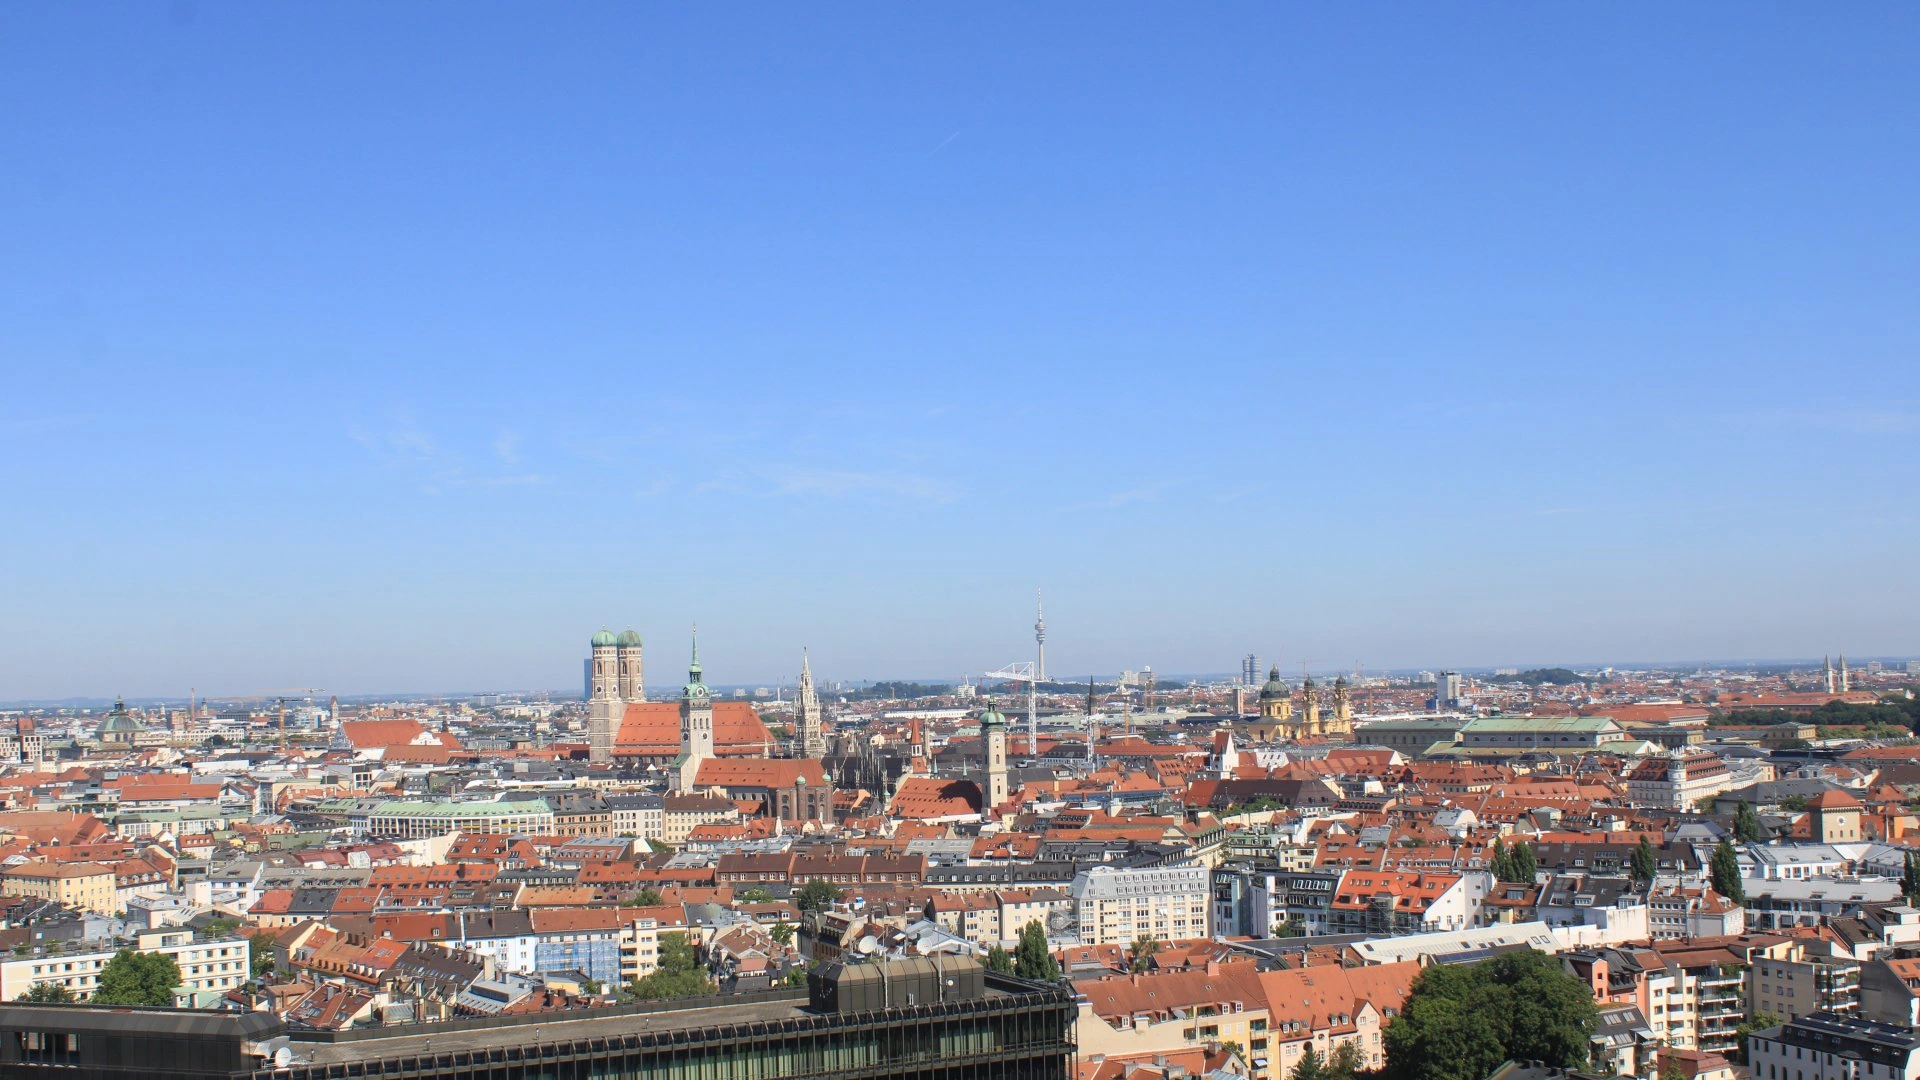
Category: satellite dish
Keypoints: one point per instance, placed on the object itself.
(282, 1058)
(868, 945)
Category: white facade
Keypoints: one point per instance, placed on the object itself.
(204, 965)
(1115, 906)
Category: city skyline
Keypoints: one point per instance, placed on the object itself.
(1448, 337)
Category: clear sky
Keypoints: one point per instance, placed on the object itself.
(401, 346)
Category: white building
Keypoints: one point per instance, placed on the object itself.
(1115, 906)
(421, 819)
(1678, 781)
(217, 965)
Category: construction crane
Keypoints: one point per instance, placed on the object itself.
(1025, 671)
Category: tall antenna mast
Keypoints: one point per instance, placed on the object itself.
(1039, 637)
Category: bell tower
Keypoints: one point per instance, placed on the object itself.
(993, 735)
(633, 684)
(696, 724)
(604, 708)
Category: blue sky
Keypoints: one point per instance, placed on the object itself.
(384, 347)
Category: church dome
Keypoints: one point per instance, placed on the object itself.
(992, 717)
(627, 637)
(1274, 688)
(604, 637)
(121, 722)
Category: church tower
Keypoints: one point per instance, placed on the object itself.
(1276, 701)
(633, 684)
(1342, 723)
(1310, 706)
(1826, 665)
(993, 735)
(604, 708)
(1845, 682)
(808, 729)
(696, 725)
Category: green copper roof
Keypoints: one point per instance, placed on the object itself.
(992, 717)
(604, 637)
(627, 637)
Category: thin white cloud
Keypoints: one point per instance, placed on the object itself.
(789, 479)
(507, 447)
(1134, 496)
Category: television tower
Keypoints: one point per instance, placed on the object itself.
(1039, 638)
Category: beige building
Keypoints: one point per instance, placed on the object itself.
(218, 965)
(1804, 977)
(1163, 1012)
(680, 813)
(995, 918)
(87, 886)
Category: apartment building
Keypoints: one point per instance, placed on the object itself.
(1890, 991)
(642, 817)
(419, 819)
(1380, 902)
(1677, 911)
(1113, 906)
(214, 965)
(1802, 977)
(1827, 1046)
(86, 886)
(1169, 1011)
(1679, 781)
(995, 918)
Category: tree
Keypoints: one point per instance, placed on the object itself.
(817, 895)
(1514, 864)
(796, 975)
(137, 978)
(1140, 955)
(260, 954)
(1309, 1067)
(1346, 1062)
(1462, 1020)
(1643, 864)
(754, 894)
(1525, 865)
(999, 961)
(1724, 868)
(647, 897)
(1756, 1022)
(46, 992)
(1032, 959)
(679, 974)
(782, 933)
(1746, 824)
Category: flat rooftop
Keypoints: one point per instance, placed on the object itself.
(499, 1033)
